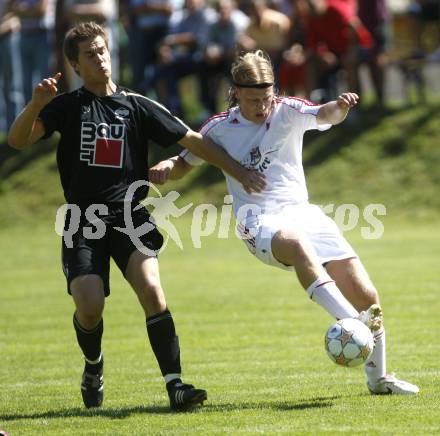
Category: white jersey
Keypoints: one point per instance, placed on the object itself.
(274, 148)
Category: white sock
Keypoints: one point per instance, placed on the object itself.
(376, 365)
(171, 377)
(325, 292)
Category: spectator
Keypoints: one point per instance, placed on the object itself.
(181, 54)
(375, 17)
(335, 39)
(149, 21)
(292, 74)
(424, 12)
(268, 30)
(220, 51)
(11, 98)
(37, 23)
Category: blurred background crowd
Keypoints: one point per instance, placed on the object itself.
(318, 47)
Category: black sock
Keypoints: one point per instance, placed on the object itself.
(90, 344)
(164, 342)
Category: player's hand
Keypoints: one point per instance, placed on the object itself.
(252, 181)
(160, 172)
(347, 100)
(45, 91)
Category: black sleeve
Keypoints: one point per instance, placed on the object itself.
(159, 124)
(53, 115)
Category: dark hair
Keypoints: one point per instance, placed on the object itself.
(80, 33)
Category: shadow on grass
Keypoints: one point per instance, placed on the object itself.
(125, 412)
(12, 160)
(113, 413)
(306, 404)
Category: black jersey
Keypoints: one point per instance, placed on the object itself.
(104, 142)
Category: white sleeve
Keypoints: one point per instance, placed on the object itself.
(207, 131)
(190, 158)
(306, 111)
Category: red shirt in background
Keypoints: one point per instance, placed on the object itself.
(333, 30)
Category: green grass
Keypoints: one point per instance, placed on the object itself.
(373, 157)
(248, 333)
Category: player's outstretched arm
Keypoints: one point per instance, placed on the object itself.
(27, 128)
(203, 147)
(169, 169)
(334, 112)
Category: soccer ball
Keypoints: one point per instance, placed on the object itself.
(349, 342)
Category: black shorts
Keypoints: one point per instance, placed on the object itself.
(82, 255)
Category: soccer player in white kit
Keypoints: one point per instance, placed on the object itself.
(280, 227)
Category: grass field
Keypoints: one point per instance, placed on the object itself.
(248, 335)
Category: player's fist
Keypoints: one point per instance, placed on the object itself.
(46, 91)
(347, 100)
(252, 180)
(160, 172)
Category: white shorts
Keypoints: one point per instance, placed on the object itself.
(321, 231)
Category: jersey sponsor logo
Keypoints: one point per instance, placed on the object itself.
(102, 145)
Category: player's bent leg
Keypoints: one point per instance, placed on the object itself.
(354, 282)
(292, 249)
(88, 295)
(356, 285)
(142, 273)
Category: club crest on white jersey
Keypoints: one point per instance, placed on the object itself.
(102, 144)
(257, 160)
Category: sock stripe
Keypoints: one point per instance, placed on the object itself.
(379, 333)
(171, 377)
(94, 362)
(83, 330)
(324, 283)
(151, 321)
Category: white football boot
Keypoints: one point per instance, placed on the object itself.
(390, 385)
(372, 317)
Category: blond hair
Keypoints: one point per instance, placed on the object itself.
(251, 68)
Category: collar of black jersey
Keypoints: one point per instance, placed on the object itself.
(253, 85)
(118, 91)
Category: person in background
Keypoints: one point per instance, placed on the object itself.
(37, 19)
(220, 51)
(267, 30)
(335, 40)
(149, 24)
(375, 17)
(181, 53)
(11, 95)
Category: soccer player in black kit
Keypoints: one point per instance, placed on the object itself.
(103, 150)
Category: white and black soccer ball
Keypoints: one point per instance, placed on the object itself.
(349, 342)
